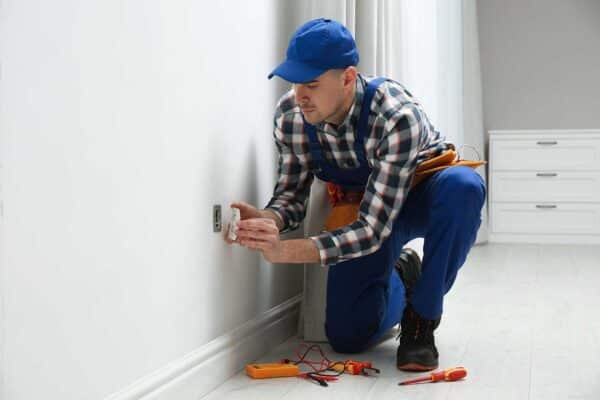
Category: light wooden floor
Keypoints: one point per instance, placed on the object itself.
(523, 319)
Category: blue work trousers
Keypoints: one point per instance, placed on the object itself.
(365, 295)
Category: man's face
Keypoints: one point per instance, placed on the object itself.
(325, 98)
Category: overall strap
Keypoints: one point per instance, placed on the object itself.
(363, 122)
(313, 143)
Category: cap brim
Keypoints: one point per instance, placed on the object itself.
(295, 72)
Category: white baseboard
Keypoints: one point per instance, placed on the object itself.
(201, 371)
(543, 239)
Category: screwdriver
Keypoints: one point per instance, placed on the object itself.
(451, 374)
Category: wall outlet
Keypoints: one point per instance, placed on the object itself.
(217, 218)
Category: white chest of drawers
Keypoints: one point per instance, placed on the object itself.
(545, 186)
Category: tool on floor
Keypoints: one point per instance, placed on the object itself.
(322, 371)
(451, 374)
(262, 371)
(354, 367)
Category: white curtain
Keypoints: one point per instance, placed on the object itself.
(417, 42)
(473, 131)
(431, 46)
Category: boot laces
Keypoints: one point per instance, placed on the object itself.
(415, 329)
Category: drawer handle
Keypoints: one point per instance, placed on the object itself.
(547, 142)
(545, 206)
(547, 174)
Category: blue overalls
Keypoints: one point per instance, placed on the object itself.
(364, 297)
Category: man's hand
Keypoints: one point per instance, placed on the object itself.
(259, 230)
(247, 211)
(261, 234)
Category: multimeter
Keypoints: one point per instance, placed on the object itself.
(262, 371)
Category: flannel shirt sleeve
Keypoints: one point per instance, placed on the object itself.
(290, 196)
(393, 162)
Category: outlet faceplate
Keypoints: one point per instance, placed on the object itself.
(217, 218)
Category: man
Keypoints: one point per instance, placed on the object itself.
(367, 136)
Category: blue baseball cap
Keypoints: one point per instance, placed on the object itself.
(317, 46)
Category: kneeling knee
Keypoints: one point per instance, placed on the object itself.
(347, 345)
(464, 187)
(350, 338)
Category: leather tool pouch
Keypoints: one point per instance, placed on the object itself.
(346, 205)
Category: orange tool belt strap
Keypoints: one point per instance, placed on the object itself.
(346, 204)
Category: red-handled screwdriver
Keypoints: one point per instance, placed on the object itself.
(452, 374)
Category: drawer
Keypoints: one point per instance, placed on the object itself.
(547, 153)
(546, 218)
(546, 186)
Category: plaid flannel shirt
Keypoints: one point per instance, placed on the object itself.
(399, 137)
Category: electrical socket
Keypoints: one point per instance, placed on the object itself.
(217, 218)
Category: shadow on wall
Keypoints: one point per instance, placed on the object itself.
(238, 271)
(245, 279)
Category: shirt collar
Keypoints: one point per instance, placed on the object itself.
(350, 122)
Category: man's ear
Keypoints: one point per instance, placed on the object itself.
(349, 76)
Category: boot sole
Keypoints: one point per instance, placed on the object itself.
(416, 367)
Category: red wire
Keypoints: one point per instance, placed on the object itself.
(323, 363)
(318, 367)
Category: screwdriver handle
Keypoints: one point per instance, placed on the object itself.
(452, 374)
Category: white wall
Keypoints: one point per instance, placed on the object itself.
(540, 63)
(122, 123)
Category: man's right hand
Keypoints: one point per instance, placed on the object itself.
(248, 211)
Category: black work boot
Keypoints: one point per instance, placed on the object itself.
(417, 351)
(409, 268)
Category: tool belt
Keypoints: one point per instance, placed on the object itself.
(346, 204)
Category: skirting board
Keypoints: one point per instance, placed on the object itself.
(543, 239)
(201, 371)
